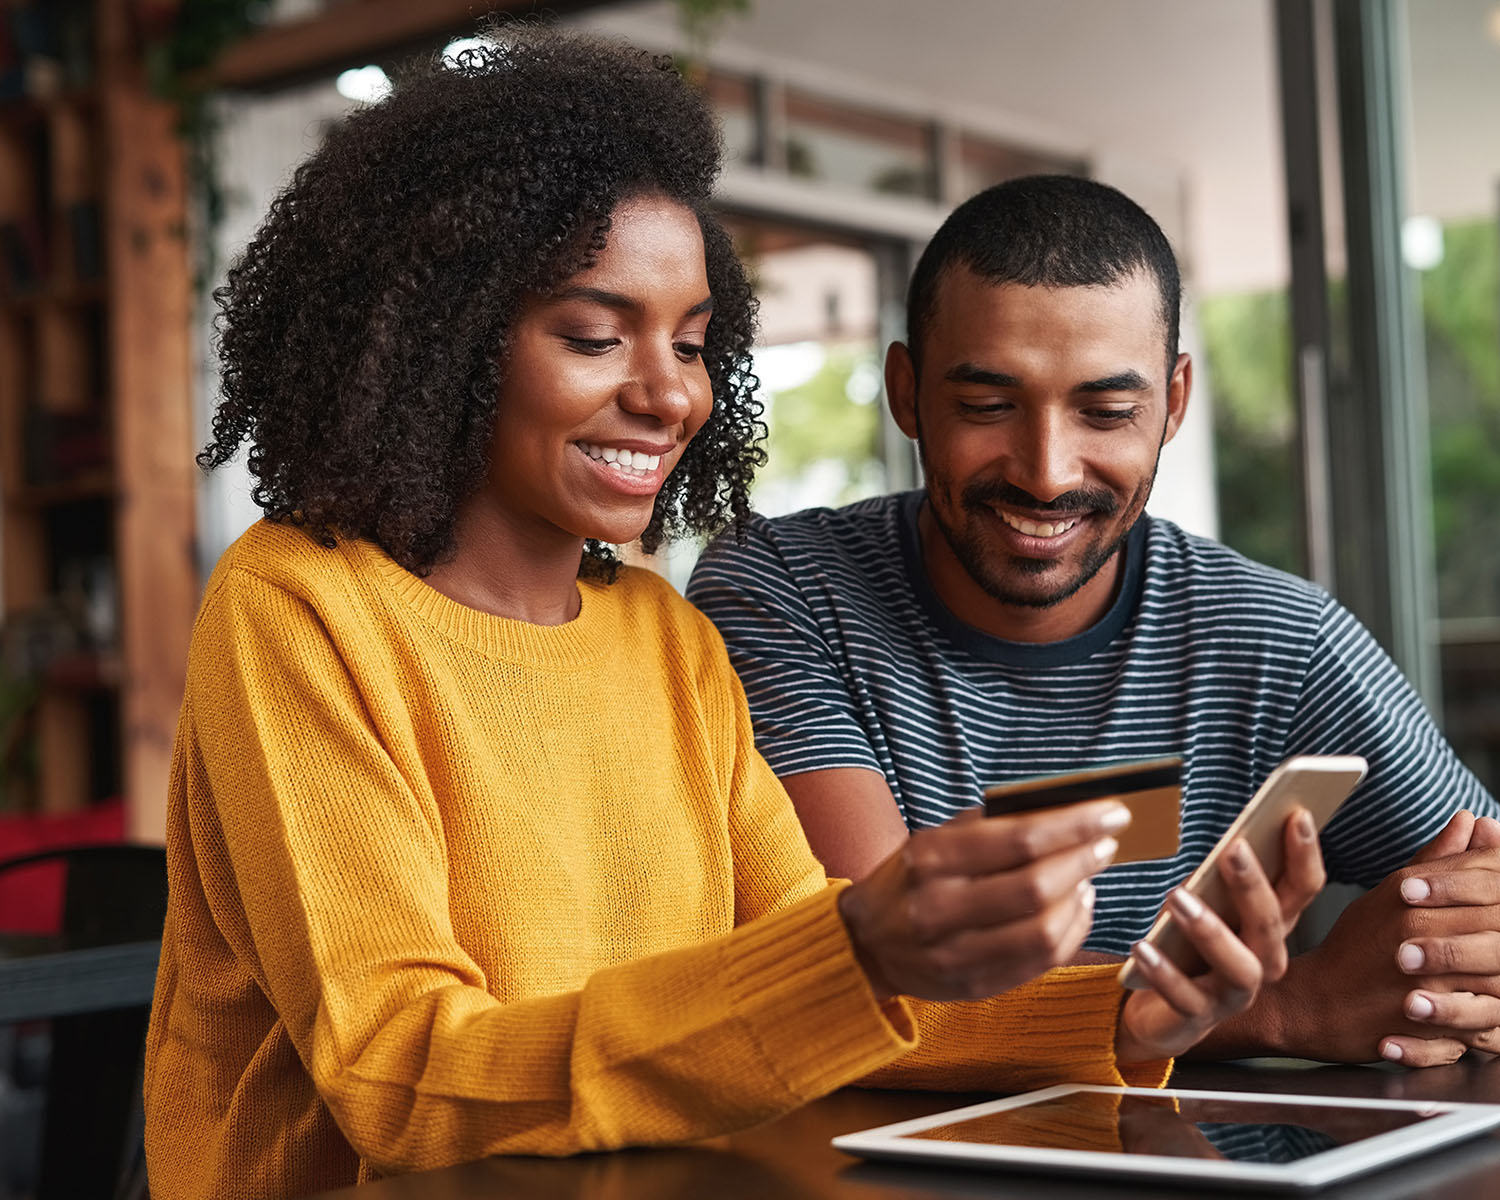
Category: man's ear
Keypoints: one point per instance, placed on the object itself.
(1179, 387)
(901, 388)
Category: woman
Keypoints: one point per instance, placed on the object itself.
(470, 848)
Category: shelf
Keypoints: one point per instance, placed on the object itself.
(90, 486)
(84, 293)
(84, 671)
(96, 431)
(30, 111)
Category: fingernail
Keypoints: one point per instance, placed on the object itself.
(1147, 953)
(1239, 856)
(1415, 889)
(1410, 957)
(1419, 1007)
(1191, 906)
(1115, 818)
(1086, 895)
(1104, 850)
(1304, 826)
(1390, 1052)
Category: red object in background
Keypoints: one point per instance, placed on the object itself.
(31, 898)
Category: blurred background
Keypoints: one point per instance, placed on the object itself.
(1327, 170)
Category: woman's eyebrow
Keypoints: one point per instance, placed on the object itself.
(617, 300)
(599, 296)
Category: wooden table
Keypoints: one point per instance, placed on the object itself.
(791, 1159)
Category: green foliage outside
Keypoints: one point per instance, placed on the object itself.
(1461, 311)
(818, 422)
(1247, 347)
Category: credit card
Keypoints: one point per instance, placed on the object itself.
(1150, 788)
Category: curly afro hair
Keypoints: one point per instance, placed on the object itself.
(363, 332)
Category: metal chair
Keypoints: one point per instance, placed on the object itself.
(91, 1127)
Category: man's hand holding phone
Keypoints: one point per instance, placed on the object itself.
(1197, 970)
(1223, 934)
(1313, 784)
(1171, 1009)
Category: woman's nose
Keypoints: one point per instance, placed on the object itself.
(662, 387)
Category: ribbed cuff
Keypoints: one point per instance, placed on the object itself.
(1094, 990)
(809, 1005)
(1057, 1028)
(1151, 1074)
(1076, 1011)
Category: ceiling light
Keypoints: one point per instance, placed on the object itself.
(367, 85)
(457, 46)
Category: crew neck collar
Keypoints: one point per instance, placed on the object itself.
(571, 644)
(983, 645)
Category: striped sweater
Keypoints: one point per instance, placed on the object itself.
(850, 659)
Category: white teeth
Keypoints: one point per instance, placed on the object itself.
(1037, 528)
(627, 462)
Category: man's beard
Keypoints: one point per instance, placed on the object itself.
(994, 577)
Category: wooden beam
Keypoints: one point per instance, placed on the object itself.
(150, 344)
(357, 32)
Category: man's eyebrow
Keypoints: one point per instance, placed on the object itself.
(621, 302)
(1123, 381)
(969, 373)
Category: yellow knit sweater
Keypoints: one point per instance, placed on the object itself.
(446, 885)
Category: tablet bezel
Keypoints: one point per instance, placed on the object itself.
(1455, 1122)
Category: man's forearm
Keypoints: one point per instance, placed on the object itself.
(1275, 1025)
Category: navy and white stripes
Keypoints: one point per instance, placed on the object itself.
(850, 660)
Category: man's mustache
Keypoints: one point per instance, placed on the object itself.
(985, 494)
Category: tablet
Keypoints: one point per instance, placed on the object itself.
(1191, 1138)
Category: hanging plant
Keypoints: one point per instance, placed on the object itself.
(700, 21)
(182, 40)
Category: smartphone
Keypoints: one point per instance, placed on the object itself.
(1318, 783)
(1150, 788)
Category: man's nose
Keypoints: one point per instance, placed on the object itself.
(1045, 459)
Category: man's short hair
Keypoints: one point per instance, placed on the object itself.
(1047, 231)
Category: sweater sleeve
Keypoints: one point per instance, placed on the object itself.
(1060, 1026)
(335, 898)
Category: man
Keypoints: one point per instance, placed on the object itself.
(1020, 616)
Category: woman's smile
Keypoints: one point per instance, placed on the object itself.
(632, 467)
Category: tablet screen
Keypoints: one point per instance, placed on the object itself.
(1247, 1129)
